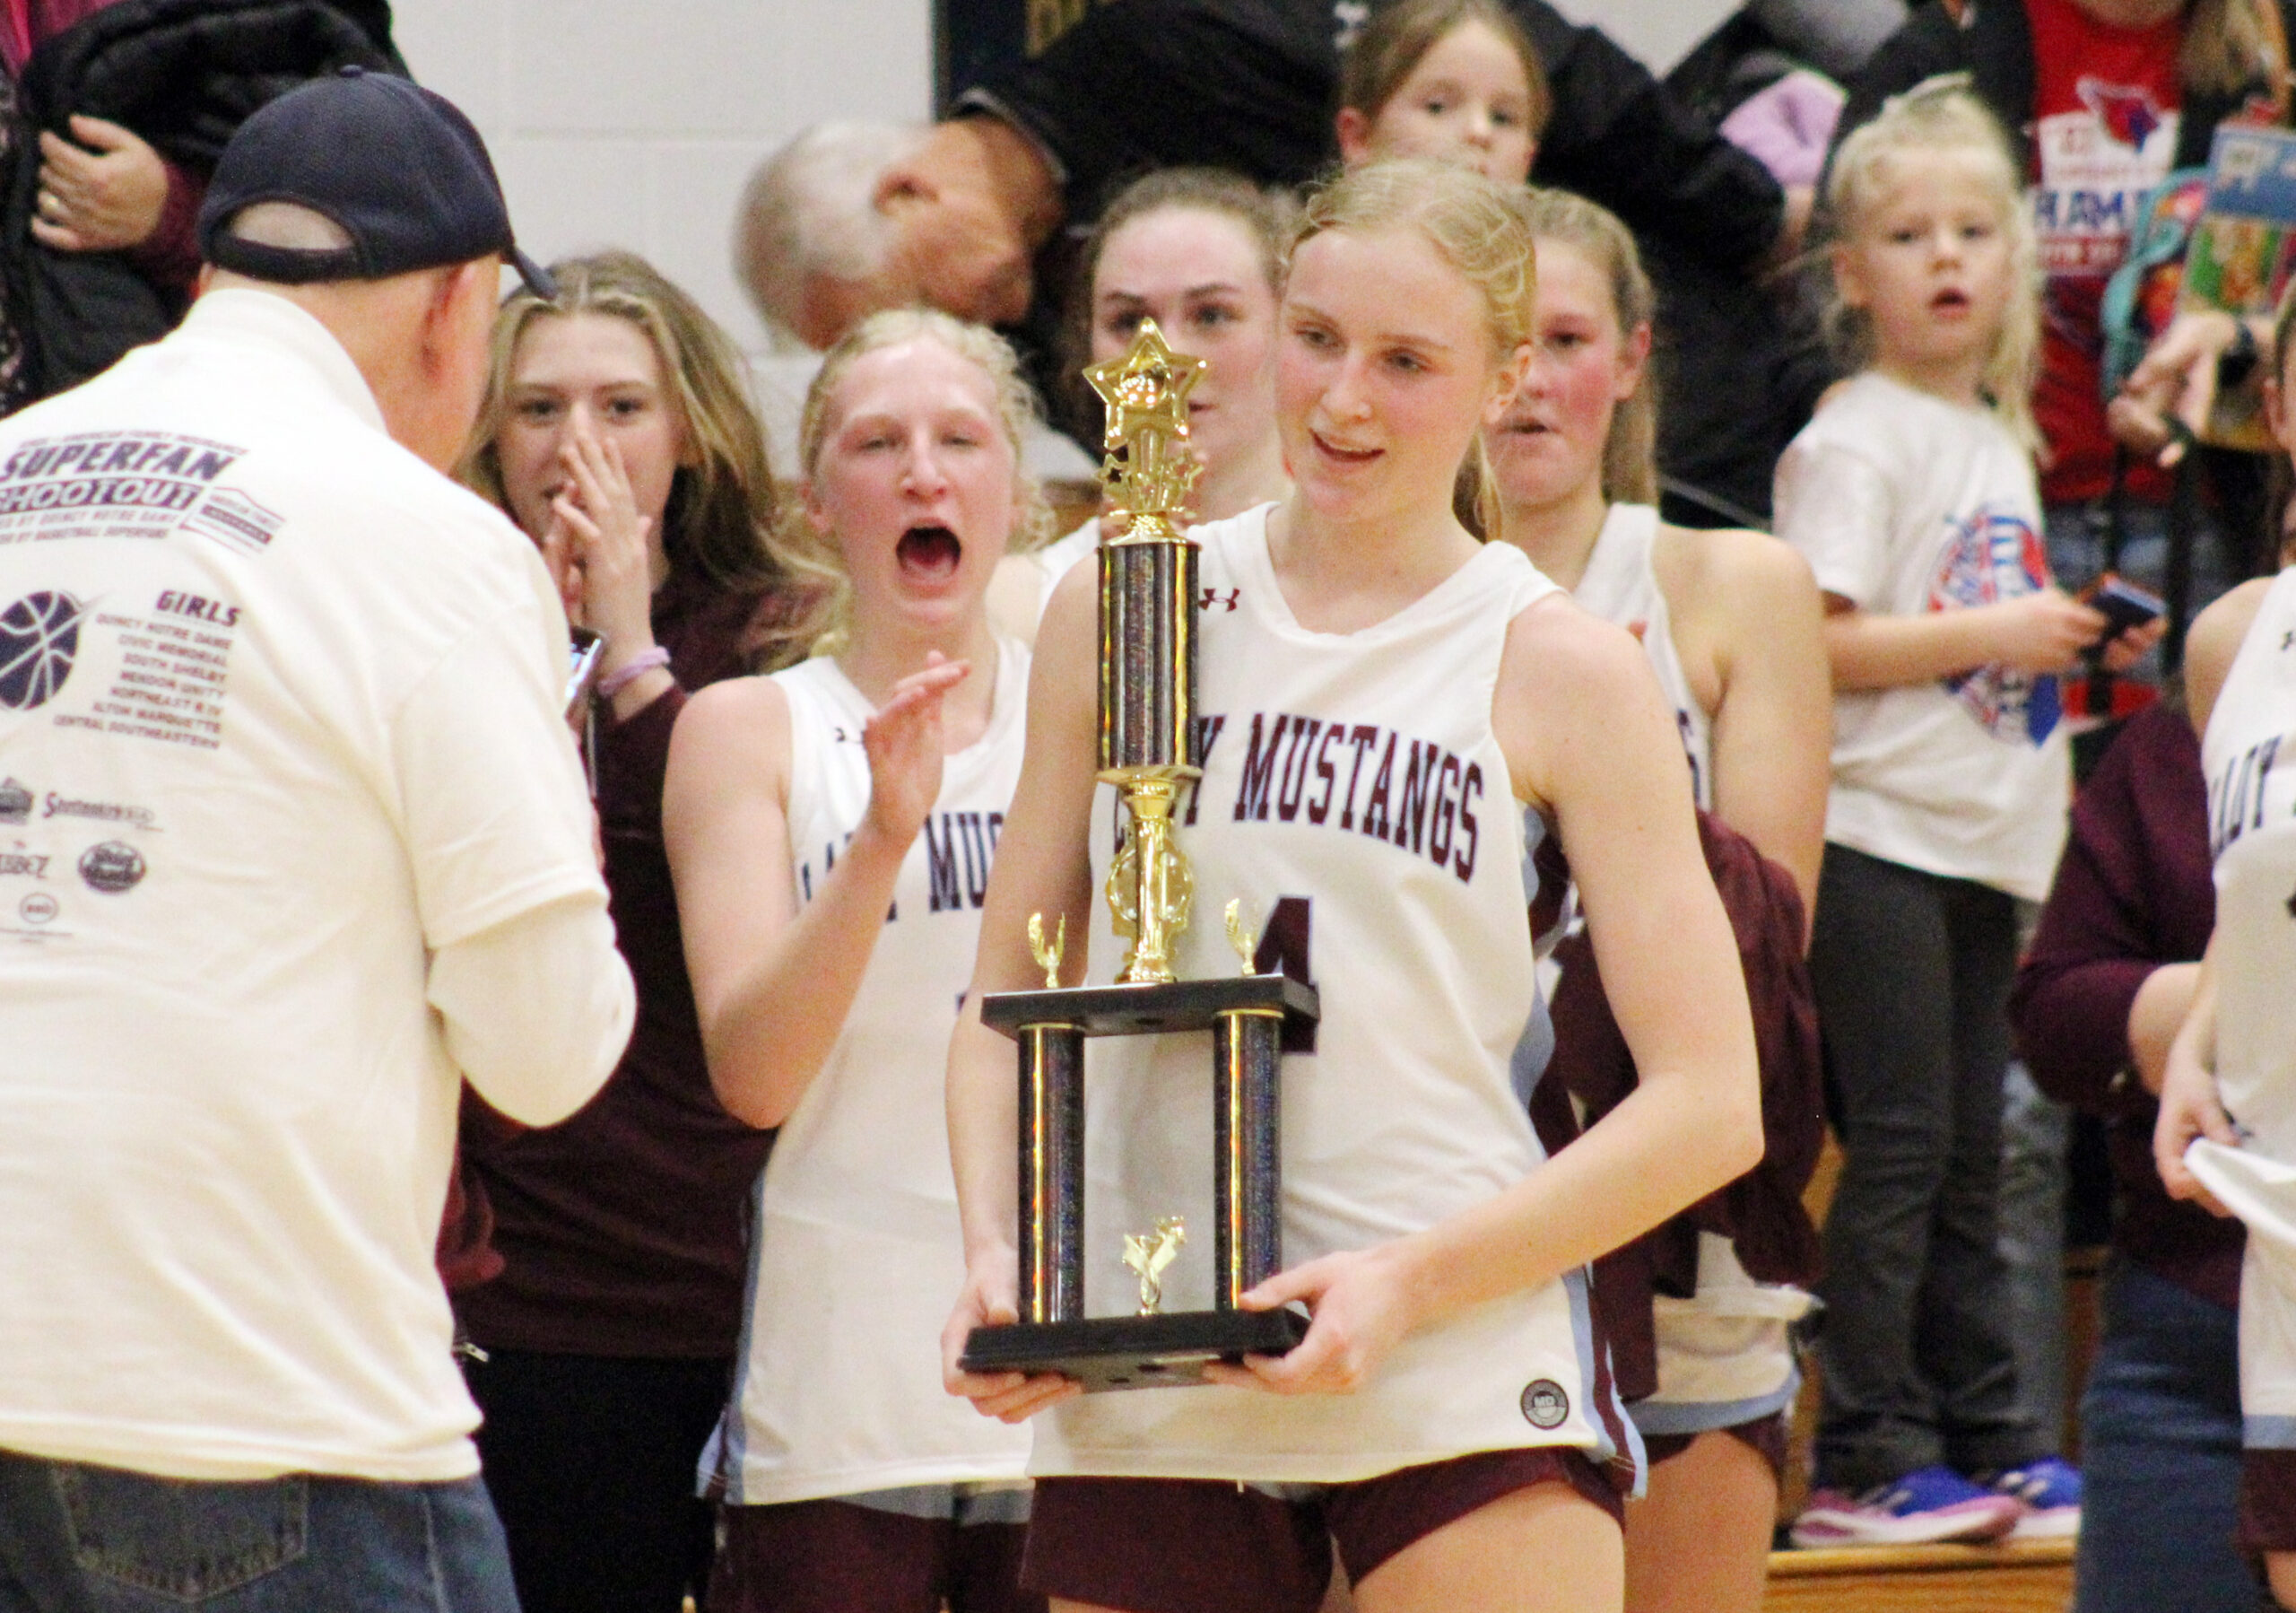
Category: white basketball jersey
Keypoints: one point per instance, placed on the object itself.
(2249, 754)
(1724, 1352)
(2250, 757)
(1619, 586)
(857, 1256)
(1057, 559)
(1356, 800)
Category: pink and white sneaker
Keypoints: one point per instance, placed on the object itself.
(1928, 1505)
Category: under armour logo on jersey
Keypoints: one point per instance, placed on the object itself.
(838, 734)
(1211, 596)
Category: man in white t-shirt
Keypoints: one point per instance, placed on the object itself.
(292, 839)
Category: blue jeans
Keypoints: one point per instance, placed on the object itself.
(76, 1538)
(2160, 1456)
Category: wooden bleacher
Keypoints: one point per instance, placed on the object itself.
(2033, 1577)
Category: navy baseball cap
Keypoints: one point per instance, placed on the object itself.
(395, 165)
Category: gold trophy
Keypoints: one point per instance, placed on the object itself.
(1148, 750)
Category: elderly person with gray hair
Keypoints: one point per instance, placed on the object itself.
(968, 215)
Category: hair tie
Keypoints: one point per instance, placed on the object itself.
(636, 666)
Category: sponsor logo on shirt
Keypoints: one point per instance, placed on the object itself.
(1994, 556)
(15, 802)
(22, 865)
(231, 518)
(1546, 1405)
(111, 867)
(39, 908)
(108, 812)
(40, 636)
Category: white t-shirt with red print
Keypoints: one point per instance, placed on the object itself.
(1905, 503)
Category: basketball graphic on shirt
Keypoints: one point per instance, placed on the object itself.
(39, 635)
(1994, 555)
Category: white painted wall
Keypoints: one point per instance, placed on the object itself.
(634, 124)
(1658, 33)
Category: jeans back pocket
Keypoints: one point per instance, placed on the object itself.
(180, 1538)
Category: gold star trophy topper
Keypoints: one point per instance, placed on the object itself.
(1148, 1253)
(1145, 390)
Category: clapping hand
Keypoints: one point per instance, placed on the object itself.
(903, 742)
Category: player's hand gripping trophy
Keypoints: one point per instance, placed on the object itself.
(1147, 751)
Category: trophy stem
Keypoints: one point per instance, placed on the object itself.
(1052, 1173)
(1150, 882)
(1246, 1054)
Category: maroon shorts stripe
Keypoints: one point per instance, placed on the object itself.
(1766, 1434)
(1212, 1546)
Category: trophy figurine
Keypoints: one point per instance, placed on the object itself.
(1147, 1253)
(1147, 751)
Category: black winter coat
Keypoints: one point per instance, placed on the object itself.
(1252, 85)
(183, 74)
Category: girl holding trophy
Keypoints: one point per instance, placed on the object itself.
(1391, 715)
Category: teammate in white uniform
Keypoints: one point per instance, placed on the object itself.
(1199, 251)
(1382, 699)
(830, 943)
(2226, 1133)
(1731, 624)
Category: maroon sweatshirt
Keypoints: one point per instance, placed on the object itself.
(2134, 892)
(622, 1230)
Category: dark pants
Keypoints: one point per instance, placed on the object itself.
(1912, 976)
(2160, 1456)
(834, 1556)
(591, 1462)
(76, 1538)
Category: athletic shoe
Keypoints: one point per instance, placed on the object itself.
(2051, 1489)
(1924, 1507)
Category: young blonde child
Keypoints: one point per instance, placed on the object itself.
(1912, 495)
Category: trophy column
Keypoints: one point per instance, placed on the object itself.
(1052, 1172)
(1246, 1061)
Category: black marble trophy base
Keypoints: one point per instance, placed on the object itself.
(1133, 1352)
(1247, 1015)
(1149, 1009)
